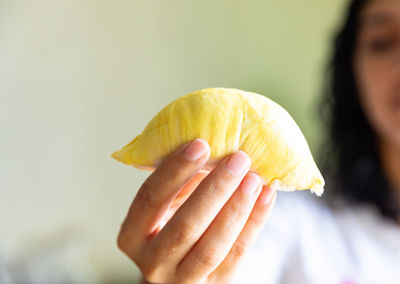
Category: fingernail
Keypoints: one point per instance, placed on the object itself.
(238, 163)
(196, 149)
(251, 183)
(266, 196)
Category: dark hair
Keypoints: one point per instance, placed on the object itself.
(349, 156)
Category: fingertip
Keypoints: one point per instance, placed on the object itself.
(196, 149)
(251, 183)
(238, 163)
(267, 195)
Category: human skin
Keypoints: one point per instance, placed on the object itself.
(185, 227)
(188, 227)
(377, 72)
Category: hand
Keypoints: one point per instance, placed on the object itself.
(188, 227)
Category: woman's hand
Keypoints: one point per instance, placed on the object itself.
(186, 227)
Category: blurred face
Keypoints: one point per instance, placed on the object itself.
(377, 67)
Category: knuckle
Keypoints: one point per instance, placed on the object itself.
(156, 251)
(215, 186)
(122, 241)
(220, 184)
(125, 244)
(128, 243)
(152, 273)
(207, 257)
(185, 234)
(173, 166)
(145, 196)
(175, 171)
(233, 214)
(233, 210)
(152, 268)
(239, 249)
(162, 250)
(255, 220)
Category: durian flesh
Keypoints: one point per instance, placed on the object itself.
(230, 120)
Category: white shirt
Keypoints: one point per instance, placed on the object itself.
(305, 242)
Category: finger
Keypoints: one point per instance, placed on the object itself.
(184, 193)
(160, 189)
(193, 217)
(257, 219)
(188, 189)
(220, 236)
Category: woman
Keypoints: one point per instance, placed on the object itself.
(353, 238)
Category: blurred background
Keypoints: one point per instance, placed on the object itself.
(80, 79)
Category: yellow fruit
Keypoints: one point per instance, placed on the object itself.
(230, 120)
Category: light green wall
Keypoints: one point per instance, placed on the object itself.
(78, 79)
